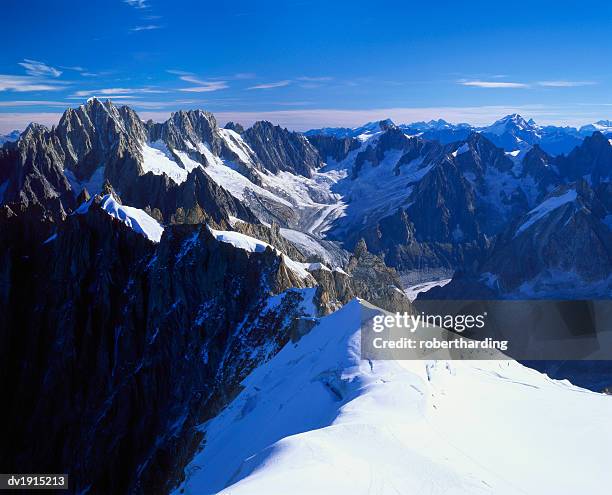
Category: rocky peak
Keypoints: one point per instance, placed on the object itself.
(593, 158)
(234, 126)
(279, 149)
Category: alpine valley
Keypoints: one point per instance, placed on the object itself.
(180, 303)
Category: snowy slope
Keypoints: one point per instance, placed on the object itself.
(135, 218)
(158, 160)
(546, 207)
(253, 245)
(317, 419)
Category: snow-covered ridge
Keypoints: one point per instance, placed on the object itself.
(546, 207)
(135, 218)
(157, 159)
(253, 245)
(318, 419)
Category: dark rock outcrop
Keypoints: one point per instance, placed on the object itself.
(279, 149)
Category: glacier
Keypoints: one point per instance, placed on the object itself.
(318, 419)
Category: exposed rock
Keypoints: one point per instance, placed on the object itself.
(280, 149)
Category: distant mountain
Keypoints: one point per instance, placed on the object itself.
(512, 133)
(438, 130)
(363, 132)
(10, 137)
(562, 245)
(603, 126)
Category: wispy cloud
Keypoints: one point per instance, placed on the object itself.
(565, 84)
(314, 79)
(26, 83)
(76, 68)
(202, 86)
(148, 27)
(116, 91)
(277, 84)
(36, 68)
(493, 84)
(179, 72)
(137, 4)
(31, 103)
(510, 85)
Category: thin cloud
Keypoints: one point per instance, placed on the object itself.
(39, 69)
(179, 72)
(493, 84)
(148, 27)
(32, 103)
(26, 83)
(278, 84)
(116, 91)
(314, 79)
(202, 86)
(137, 4)
(76, 68)
(565, 84)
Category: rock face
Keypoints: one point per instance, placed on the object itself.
(279, 149)
(113, 348)
(99, 142)
(332, 148)
(561, 248)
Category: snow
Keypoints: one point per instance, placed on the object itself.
(158, 160)
(378, 191)
(546, 207)
(188, 162)
(93, 184)
(237, 184)
(235, 143)
(316, 266)
(307, 244)
(464, 148)
(312, 199)
(240, 241)
(253, 245)
(413, 291)
(318, 419)
(135, 218)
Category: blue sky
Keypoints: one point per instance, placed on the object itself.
(304, 63)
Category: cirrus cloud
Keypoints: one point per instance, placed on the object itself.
(565, 84)
(40, 69)
(277, 84)
(493, 84)
(202, 86)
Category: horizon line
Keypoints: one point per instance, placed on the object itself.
(306, 119)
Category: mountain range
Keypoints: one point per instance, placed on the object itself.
(512, 133)
(156, 276)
